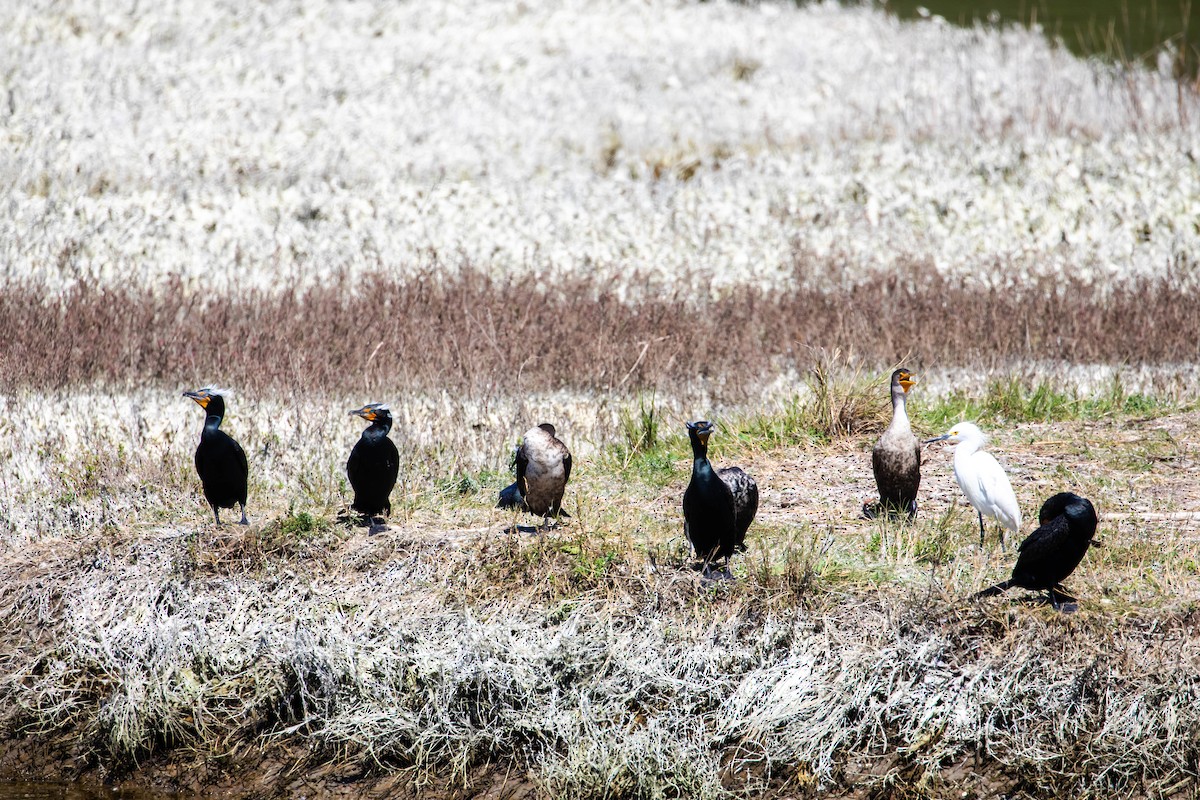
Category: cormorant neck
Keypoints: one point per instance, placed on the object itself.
(699, 455)
(899, 411)
(377, 430)
(212, 422)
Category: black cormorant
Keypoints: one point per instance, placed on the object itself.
(718, 505)
(543, 466)
(1053, 551)
(896, 459)
(220, 460)
(373, 465)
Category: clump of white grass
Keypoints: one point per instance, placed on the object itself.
(136, 650)
(287, 144)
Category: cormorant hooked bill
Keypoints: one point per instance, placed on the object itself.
(542, 464)
(220, 460)
(1052, 552)
(896, 459)
(373, 465)
(718, 506)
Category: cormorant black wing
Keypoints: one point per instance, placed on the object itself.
(744, 491)
(1046, 557)
(1046, 537)
(391, 462)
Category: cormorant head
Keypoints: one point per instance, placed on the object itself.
(904, 379)
(1081, 517)
(510, 497)
(211, 399)
(699, 431)
(1080, 513)
(1056, 506)
(962, 432)
(548, 428)
(375, 413)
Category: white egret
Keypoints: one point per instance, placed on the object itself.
(982, 479)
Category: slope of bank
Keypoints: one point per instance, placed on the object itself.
(451, 658)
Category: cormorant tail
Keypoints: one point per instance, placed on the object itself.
(510, 497)
(992, 591)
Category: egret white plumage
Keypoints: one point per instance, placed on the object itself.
(982, 479)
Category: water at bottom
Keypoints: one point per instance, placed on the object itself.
(53, 790)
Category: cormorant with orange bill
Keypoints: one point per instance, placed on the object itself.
(220, 460)
(373, 465)
(896, 459)
(542, 464)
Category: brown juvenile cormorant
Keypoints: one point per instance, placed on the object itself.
(1053, 551)
(542, 464)
(896, 459)
(373, 465)
(220, 460)
(718, 505)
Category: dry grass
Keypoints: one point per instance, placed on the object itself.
(468, 332)
(591, 660)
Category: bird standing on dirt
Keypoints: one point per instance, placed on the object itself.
(896, 459)
(1052, 552)
(718, 506)
(220, 460)
(373, 465)
(543, 466)
(982, 479)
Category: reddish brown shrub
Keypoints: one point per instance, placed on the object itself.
(469, 332)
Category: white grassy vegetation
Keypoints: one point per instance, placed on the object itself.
(287, 143)
(591, 661)
(282, 144)
(636, 686)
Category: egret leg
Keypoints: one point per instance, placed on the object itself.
(980, 513)
(244, 520)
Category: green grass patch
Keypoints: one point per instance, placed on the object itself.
(1014, 400)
